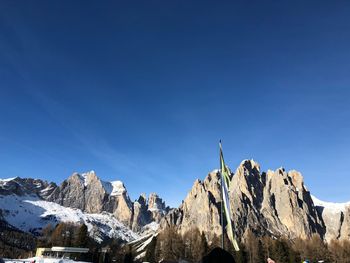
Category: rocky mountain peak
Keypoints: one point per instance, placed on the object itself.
(89, 178)
(297, 179)
(142, 199)
(200, 208)
(118, 188)
(211, 184)
(249, 183)
(76, 179)
(86, 191)
(248, 176)
(250, 165)
(274, 203)
(25, 186)
(155, 202)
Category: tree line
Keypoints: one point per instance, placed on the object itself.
(170, 245)
(64, 235)
(15, 243)
(192, 246)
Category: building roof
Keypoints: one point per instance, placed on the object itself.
(66, 249)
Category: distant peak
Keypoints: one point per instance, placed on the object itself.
(9, 179)
(89, 173)
(142, 199)
(85, 178)
(281, 169)
(297, 177)
(250, 164)
(215, 171)
(153, 195)
(155, 202)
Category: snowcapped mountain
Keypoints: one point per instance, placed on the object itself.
(111, 188)
(105, 207)
(26, 186)
(90, 194)
(275, 203)
(31, 214)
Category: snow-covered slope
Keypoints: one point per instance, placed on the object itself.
(139, 246)
(31, 214)
(333, 215)
(105, 207)
(331, 207)
(43, 260)
(114, 188)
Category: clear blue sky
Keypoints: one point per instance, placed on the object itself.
(141, 91)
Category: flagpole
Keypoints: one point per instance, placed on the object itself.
(225, 179)
(222, 207)
(222, 221)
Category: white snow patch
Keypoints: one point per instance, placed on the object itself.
(151, 227)
(31, 214)
(50, 187)
(331, 207)
(141, 244)
(154, 209)
(7, 179)
(117, 188)
(113, 188)
(84, 177)
(144, 244)
(42, 260)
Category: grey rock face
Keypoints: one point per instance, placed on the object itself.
(123, 209)
(273, 203)
(201, 207)
(157, 207)
(90, 194)
(26, 186)
(336, 217)
(345, 225)
(333, 223)
(288, 206)
(95, 193)
(70, 193)
(246, 198)
(141, 215)
(155, 202)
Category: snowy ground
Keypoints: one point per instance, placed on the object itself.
(42, 260)
(31, 214)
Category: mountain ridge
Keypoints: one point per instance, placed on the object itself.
(275, 203)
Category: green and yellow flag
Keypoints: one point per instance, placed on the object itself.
(225, 184)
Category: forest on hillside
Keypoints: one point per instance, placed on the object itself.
(171, 246)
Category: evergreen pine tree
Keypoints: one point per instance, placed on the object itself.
(81, 237)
